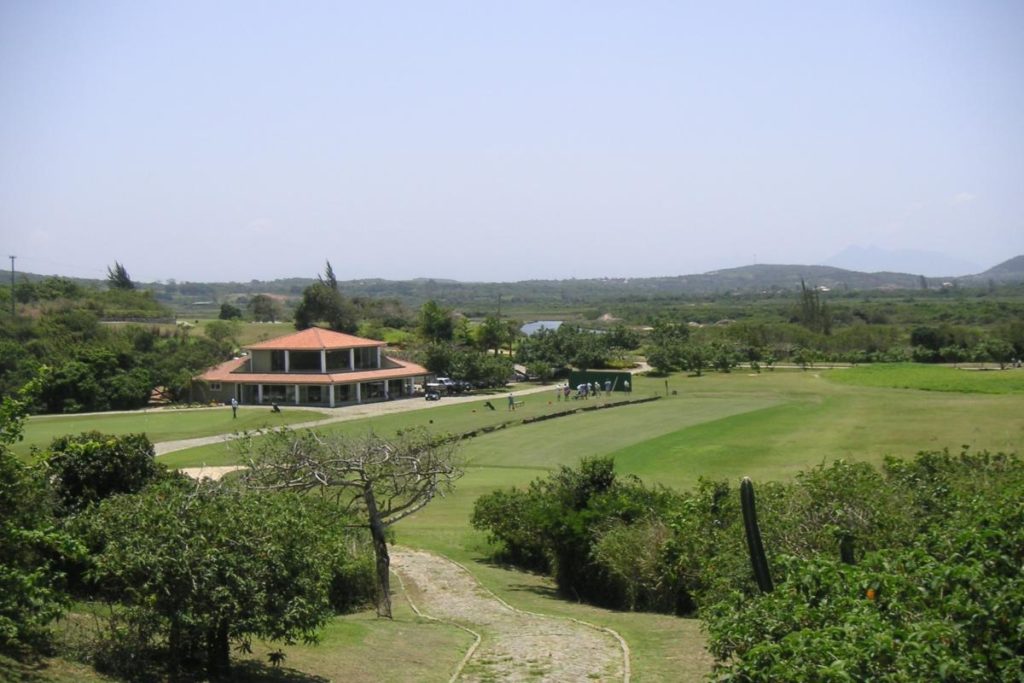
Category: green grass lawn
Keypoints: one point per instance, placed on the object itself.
(966, 379)
(159, 425)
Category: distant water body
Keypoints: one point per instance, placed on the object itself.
(538, 325)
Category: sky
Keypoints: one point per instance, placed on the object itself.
(503, 141)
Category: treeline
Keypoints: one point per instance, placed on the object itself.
(910, 572)
(95, 367)
(177, 571)
(672, 345)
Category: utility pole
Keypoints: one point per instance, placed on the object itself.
(13, 312)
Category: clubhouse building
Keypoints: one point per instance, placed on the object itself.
(314, 367)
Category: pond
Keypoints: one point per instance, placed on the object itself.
(538, 325)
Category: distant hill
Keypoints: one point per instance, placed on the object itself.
(474, 297)
(1011, 270)
(872, 259)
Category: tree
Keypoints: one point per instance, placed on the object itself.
(666, 344)
(814, 313)
(223, 331)
(695, 358)
(195, 567)
(435, 322)
(91, 466)
(382, 480)
(117, 277)
(322, 303)
(328, 278)
(229, 312)
(491, 334)
(264, 308)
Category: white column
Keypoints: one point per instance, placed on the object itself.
(359, 394)
(296, 394)
(259, 394)
(323, 360)
(351, 359)
(287, 360)
(330, 388)
(378, 361)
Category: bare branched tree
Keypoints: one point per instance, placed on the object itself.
(385, 480)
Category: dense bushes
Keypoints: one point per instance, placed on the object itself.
(91, 466)
(949, 608)
(934, 590)
(191, 569)
(590, 529)
(31, 547)
(97, 367)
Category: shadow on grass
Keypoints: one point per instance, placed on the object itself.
(542, 591)
(264, 673)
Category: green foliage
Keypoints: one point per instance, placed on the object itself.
(91, 466)
(31, 549)
(465, 363)
(264, 308)
(328, 278)
(665, 345)
(224, 331)
(321, 302)
(193, 568)
(571, 346)
(435, 323)
(117, 277)
(814, 314)
(949, 608)
(229, 312)
(491, 334)
(599, 535)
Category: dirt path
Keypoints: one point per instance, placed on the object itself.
(512, 645)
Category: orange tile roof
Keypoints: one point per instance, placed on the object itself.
(314, 339)
(234, 371)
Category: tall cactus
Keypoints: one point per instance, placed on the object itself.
(757, 557)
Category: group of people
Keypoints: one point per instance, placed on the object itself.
(587, 389)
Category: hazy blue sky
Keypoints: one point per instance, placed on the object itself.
(504, 140)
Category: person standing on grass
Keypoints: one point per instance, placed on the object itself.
(511, 401)
(234, 407)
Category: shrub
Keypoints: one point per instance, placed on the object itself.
(86, 468)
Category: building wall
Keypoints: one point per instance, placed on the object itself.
(260, 361)
(219, 394)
